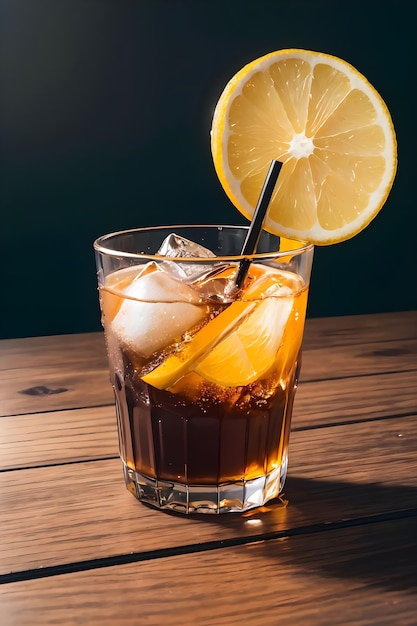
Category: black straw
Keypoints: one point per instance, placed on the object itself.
(255, 228)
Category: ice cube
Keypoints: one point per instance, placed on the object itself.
(217, 285)
(156, 310)
(175, 246)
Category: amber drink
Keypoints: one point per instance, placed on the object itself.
(204, 371)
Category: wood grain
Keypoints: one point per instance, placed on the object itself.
(58, 437)
(333, 362)
(360, 329)
(341, 552)
(66, 388)
(361, 575)
(52, 350)
(368, 397)
(74, 368)
(61, 514)
(84, 386)
(335, 331)
(83, 434)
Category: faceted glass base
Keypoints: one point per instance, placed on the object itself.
(224, 498)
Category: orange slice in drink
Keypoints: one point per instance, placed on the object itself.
(248, 352)
(328, 126)
(237, 324)
(177, 365)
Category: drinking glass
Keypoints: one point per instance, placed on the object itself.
(204, 367)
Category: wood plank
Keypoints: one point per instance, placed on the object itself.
(52, 350)
(40, 389)
(349, 399)
(332, 362)
(361, 329)
(72, 370)
(82, 434)
(83, 383)
(82, 511)
(364, 575)
(58, 437)
(56, 349)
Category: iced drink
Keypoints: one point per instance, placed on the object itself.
(205, 359)
(204, 372)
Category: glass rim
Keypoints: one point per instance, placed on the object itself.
(99, 246)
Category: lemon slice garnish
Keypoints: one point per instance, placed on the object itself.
(329, 127)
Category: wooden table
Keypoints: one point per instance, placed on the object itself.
(77, 548)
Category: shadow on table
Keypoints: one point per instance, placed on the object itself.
(347, 530)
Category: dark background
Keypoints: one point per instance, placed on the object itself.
(105, 114)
